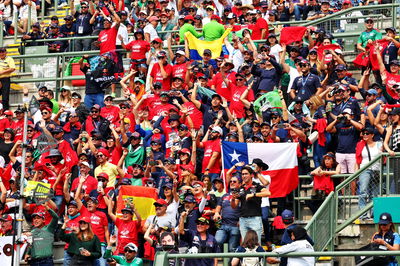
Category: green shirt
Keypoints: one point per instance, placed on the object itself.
(43, 238)
(93, 245)
(213, 31)
(369, 35)
(134, 156)
(121, 260)
(56, 107)
(190, 28)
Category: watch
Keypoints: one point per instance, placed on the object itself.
(254, 194)
(207, 169)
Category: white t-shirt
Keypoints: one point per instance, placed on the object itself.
(293, 73)
(275, 50)
(236, 56)
(298, 246)
(264, 200)
(375, 151)
(122, 30)
(152, 31)
(172, 211)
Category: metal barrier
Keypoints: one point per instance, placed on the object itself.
(162, 258)
(342, 207)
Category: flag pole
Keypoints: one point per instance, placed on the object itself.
(21, 182)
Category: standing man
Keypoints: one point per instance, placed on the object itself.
(7, 66)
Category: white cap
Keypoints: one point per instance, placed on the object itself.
(218, 129)
(85, 164)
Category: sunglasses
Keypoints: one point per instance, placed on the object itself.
(369, 22)
(60, 90)
(124, 107)
(366, 134)
(84, 7)
(82, 222)
(45, 113)
(30, 130)
(239, 79)
(313, 53)
(369, 94)
(75, 97)
(303, 65)
(202, 223)
(100, 155)
(108, 100)
(94, 112)
(196, 186)
(154, 144)
(101, 180)
(233, 181)
(274, 117)
(73, 116)
(129, 251)
(182, 129)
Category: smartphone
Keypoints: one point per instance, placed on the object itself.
(280, 125)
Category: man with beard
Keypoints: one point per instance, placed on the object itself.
(162, 71)
(135, 153)
(6, 224)
(40, 252)
(212, 153)
(104, 166)
(341, 76)
(136, 171)
(306, 85)
(268, 135)
(161, 219)
(95, 122)
(344, 101)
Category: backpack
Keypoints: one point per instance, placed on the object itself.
(251, 261)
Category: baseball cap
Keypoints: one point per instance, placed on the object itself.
(207, 51)
(96, 106)
(189, 17)
(185, 150)
(368, 19)
(385, 218)
(287, 215)
(340, 67)
(39, 214)
(127, 209)
(372, 91)
(347, 111)
(395, 62)
(189, 199)
(94, 199)
(104, 152)
(6, 217)
(180, 52)
(203, 220)
(131, 247)
(161, 202)
(85, 164)
(103, 175)
(153, 18)
(218, 129)
(198, 183)
(73, 202)
(392, 29)
(137, 79)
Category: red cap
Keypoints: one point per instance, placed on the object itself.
(185, 150)
(215, 17)
(164, 14)
(189, 17)
(104, 175)
(188, 167)
(160, 202)
(198, 182)
(6, 217)
(8, 112)
(157, 40)
(346, 2)
(104, 152)
(153, 18)
(85, 219)
(130, 169)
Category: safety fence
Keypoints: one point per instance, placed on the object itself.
(165, 258)
(352, 199)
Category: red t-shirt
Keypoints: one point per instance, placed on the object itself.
(89, 185)
(179, 70)
(236, 106)
(260, 25)
(111, 113)
(18, 127)
(127, 232)
(220, 86)
(102, 203)
(33, 208)
(138, 49)
(5, 123)
(211, 146)
(157, 77)
(107, 38)
(58, 190)
(71, 224)
(195, 114)
(391, 79)
(99, 222)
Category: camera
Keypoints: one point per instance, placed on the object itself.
(342, 119)
(239, 191)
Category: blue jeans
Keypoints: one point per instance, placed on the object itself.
(368, 187)
(67, 258)
(298, 12)
(228, 232)
(265, 214)
(94, 98)
(101, 261)
(251, 223)
(42, 262)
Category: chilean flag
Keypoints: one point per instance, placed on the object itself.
(280, 157)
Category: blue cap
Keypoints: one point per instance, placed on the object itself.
(385, 218)
(372, 91)
(189, 199)
(287, 214)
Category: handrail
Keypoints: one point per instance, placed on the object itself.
(353, 217)
(320, 209)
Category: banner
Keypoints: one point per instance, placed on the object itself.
(197, 46)
(280, 157)
(31, 186)
(142, 197)
(6, 247)
(268, 100)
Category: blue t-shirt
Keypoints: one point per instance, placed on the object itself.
(229, 215)
(348, 137)
(306, 86)
(209, 245)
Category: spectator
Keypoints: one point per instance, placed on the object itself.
(250, 244)
(7, 67)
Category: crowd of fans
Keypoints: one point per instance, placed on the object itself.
(166, 133)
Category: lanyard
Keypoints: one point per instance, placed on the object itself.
(303, 82)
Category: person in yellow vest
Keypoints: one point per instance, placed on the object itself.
(7, 66)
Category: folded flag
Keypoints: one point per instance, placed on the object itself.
(322, 48)
(290, 35)
(142, 197)
(268, 100)
(280, 157)
(205, 92)
(197, 46)
(381, 44)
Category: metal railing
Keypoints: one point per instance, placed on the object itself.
(162, 258)
(344, 205)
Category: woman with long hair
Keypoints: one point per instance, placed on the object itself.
(317, 67)
(250, 244)
(392, 142)
(367, 150)
(323, 183)
(84, 246)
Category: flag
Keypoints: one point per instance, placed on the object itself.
(268, 100)
(197, 46)
(292, 34)
(69, 155)
(142, 197)
(280, 157)
(322, 48)
(382, 44)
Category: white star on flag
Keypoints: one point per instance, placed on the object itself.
(235, 156)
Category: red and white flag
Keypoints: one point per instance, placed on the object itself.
(280, 157)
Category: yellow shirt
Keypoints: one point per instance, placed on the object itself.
(5, 64)
(110, 169)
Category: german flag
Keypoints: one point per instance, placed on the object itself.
(142, 197)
